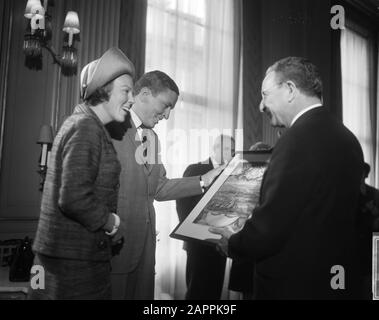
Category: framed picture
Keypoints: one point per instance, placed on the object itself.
(230, 200)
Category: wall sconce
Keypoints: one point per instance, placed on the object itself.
(38, 36)
(46, 141)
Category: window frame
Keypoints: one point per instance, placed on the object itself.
(186, 96)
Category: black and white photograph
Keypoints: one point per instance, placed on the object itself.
(191, 157)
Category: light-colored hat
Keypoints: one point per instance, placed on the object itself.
(110, 66)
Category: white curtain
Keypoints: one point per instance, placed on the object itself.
(357, 93)
(196, 42)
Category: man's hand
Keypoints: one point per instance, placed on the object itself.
(210, 176)
(120, 232)
(223, 243)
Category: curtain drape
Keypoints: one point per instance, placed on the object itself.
(5, 37)
(193, 41)
(252, 71)
(132, 38)
(357, 87)
(99, 30)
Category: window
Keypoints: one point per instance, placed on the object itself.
(358, 89)
(193, 41)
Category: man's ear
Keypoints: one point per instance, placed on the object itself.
(293, 91)
(144, 94)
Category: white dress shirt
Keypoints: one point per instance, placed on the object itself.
(313, 106)
(137, 122)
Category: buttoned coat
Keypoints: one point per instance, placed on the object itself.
(80, 191)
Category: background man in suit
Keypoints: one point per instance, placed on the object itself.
(143, 180)
(305, 225)
(205, 265)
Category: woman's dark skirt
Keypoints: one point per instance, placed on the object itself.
(72, 280)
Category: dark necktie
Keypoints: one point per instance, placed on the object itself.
(144, 144)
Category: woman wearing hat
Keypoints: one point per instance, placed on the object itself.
(78, 211)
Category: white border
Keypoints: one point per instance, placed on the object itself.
(375, 262)
(198, 231)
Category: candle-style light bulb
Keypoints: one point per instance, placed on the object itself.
(31, 8)
(44, 155)
(71, 25)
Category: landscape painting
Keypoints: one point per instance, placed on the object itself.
(236, 199)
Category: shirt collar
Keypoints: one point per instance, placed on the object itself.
(136, 119)
(214, 162)
(313, 106)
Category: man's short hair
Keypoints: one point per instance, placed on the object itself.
(302, 72)
(100, 94)
(157, 82)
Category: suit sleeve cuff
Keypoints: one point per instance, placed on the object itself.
(202, 185)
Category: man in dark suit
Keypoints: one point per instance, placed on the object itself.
(205, 265)
(303, 235)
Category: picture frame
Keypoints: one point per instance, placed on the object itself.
(230, 200)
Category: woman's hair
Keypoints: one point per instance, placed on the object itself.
(100, 95)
